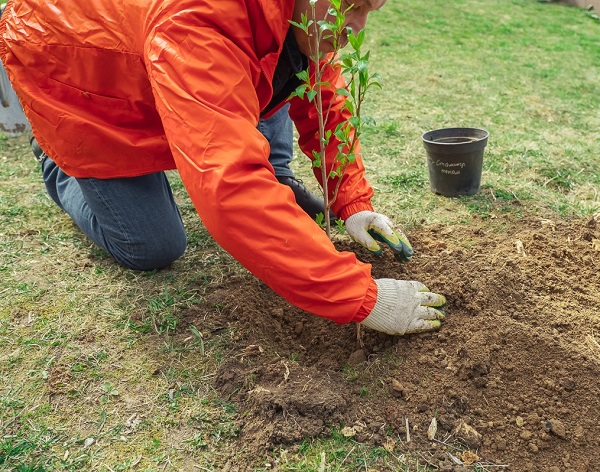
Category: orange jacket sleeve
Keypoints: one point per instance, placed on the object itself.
(205, 91)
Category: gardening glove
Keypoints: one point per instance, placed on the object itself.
(367, 227)
(404, 307)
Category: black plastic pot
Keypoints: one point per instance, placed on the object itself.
(455, 159)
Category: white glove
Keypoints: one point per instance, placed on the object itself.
(367, 227)
(404, 307)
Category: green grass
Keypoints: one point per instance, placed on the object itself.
(97, 372)
(525, 71)
(344, 453)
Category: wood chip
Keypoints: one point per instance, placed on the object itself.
(432, 429)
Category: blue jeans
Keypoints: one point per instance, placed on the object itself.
(279, 131)
(136, 219)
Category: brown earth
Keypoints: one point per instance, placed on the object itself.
(512, 378)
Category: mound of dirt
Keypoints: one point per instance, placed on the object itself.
(512, 378)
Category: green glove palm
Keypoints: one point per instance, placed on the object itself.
(367, 228)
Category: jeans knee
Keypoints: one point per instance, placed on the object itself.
(151, 254)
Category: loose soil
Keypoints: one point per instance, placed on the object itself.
(511, 377)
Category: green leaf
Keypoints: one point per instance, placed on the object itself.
(347, 61)
(363, 77)
(303, 75)
(376, 79)
(316, 162)
(349, 106)
(300, 90)
(342, 132)
(320, 219)
(361, 37)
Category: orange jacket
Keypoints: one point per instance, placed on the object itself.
(119, 88)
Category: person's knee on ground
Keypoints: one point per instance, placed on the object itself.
(135, 220)
(155, 251)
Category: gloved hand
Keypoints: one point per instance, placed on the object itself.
(404, 307)
(367, 227)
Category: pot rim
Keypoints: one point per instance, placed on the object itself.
(478, 134)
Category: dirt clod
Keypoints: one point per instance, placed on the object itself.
(357, 357)
(557, 428)
(468, 434)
